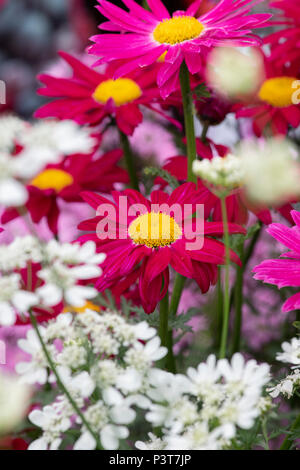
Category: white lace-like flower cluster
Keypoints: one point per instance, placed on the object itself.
(202, 410)
(291, 383)
(221, 172)
(107, 364)
(37, 274)
(110, 372)
(25, 149)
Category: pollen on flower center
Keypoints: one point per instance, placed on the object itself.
(122, 91)
(52, 179)
(177, 29)
(277, 91)
(154, 229)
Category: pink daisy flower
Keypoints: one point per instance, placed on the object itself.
(285, 271)
(274, 101)
(148, 35)
(88, 96)
(144, 246)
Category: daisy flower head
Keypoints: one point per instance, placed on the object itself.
(144, 237)
(64, 181)
(88, 96)
(149, 35)
(277, 100)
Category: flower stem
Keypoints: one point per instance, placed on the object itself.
(176, 296)
(188, 109)
(238, 304)
(204, 131)
(60, 383)
(165, 334)
(226, 301)
(238, 290)
(287, 443)
(134, 183)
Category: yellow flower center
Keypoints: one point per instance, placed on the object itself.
(87, 306)
(177, 29)
(154, 229)
(122, 91)
(278, 91)
(52, 179)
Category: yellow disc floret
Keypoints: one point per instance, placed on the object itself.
(52, 179)
(278, 91)
(177, 29)
(122, 91)
(154, 229)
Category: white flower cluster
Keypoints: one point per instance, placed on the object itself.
(59, 272)
(221, 172)
(107, 365)
(202, 410)
(117, 368)
(25, 149)
(291, 383)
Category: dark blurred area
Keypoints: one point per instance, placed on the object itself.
(31, 33)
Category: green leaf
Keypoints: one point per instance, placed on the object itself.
(201, 91)
(165, 175)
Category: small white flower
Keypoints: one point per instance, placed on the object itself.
(225, 172)
(291, 352)
(34, 371)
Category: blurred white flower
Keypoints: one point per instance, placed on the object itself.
(14, 402)
(235, 72)
(271, 170)
(12, 191)
(13, 299)
(48, 141)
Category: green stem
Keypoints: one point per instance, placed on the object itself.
(60, 383)
(204, 131)
(219, 307)
(287, 443)
(176, 296)
(226, 302)
(238, 304)
(165, 334)
(188, 109)
(134, 182)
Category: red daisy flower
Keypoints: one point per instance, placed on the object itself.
(145, 245)
(274, 106)
(285, 43)
(89, 96)
(65, 181)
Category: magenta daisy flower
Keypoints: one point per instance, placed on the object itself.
(285, 271)
(148, 35)
(145, 245)
(88, 97)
